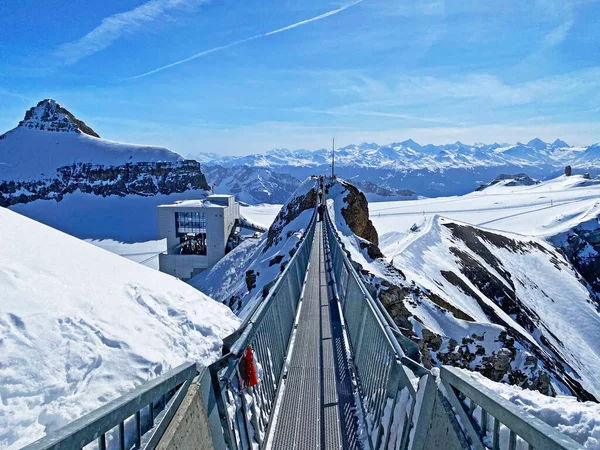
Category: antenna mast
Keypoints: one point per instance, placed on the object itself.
(333, 159)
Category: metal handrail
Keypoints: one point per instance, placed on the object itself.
(383, 316)
(383, 381)
(95, 425)
(538, 434)
(267, 329)
(407, 347)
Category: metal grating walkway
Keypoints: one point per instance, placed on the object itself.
(317, 389)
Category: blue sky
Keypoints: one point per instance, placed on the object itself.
(235, 77)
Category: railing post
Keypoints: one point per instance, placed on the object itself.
(424, 415)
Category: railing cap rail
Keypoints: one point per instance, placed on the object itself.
(533, 430)
(89, 427)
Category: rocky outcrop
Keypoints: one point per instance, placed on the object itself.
(48, 115)
(356, 214)
(581, 245)
(288, 213)
(143, 179)
(520, 179)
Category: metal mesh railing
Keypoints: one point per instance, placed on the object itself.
(491, 422)
(386, 391)
(137, 419)
(246, 411)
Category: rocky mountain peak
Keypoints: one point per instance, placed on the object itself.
(49, 115)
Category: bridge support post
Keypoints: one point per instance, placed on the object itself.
(423, 417)
(196, 423)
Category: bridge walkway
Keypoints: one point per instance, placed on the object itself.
(316, 408)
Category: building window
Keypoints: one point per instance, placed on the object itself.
(191, 231)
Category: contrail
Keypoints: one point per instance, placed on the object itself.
(241, 41)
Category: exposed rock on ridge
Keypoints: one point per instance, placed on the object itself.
(49, 115)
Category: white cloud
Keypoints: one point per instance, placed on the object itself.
(118, 25)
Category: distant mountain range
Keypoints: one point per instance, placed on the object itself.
(429, 170)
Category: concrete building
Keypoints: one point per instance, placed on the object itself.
(197, 232)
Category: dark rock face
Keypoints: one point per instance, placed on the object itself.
(520, 179)
(371, 188)
(287, 214)
(356, 215)
(250, 280)
(144, 179)
(581, 245)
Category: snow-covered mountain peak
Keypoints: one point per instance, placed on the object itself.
(410, 144)
(537, 143)
(559, 143)
(49, 115)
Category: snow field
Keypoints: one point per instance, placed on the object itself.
(541, 210)
(80, 326)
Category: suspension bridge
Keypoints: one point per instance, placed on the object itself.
(333, 371)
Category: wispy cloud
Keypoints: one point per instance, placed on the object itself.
(12, 94)
(118, 25)
(241, 41)
(559, 34)
(415, 90)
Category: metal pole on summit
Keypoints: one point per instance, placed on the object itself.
(333, 159)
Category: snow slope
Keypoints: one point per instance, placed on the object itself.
(80, 326)
(534, 290)
(263, 214)
(578, 420)
(128, 219)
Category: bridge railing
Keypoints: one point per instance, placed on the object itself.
(492, 422)
(387, 393)
(246, 412)
(138, 418)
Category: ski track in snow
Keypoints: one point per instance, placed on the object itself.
(541, 210)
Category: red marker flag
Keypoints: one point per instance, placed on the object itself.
(248, 369)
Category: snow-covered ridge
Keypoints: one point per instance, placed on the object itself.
(27, 154)
(51, 154)
(77, 331)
